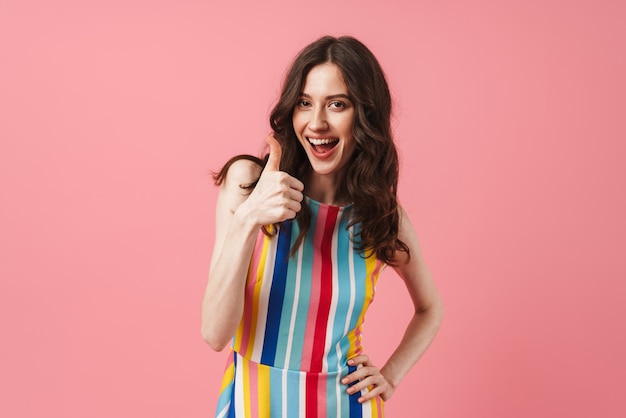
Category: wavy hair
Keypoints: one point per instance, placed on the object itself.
(371, 176)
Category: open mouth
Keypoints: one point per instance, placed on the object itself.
(323, 145)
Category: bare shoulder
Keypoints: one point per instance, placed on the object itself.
(233, 191)
(241, 173)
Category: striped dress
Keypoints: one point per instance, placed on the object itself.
(301, 322)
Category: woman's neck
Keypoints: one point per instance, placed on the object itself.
(326, 188)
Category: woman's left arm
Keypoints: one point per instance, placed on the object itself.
(427, 317)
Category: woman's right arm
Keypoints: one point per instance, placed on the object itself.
(238, 218)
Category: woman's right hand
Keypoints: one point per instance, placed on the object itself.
(277, 196)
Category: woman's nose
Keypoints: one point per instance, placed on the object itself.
(318, 120)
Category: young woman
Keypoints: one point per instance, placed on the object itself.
(301, 238)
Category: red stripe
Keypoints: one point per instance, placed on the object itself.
(311, 395)
(326, 291)
(314, 296)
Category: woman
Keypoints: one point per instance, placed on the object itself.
(301, 238)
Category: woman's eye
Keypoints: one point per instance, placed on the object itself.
(303, 103)
(337, 105)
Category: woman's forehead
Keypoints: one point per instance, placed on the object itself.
(324, 80)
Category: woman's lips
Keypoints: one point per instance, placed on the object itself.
(322, 147)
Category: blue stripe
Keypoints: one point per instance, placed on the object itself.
(277, 294)
(339, 324)
(304, 296)
(293, 394)
(359, 296)
(275, 391)
(356, 410)
(290, 298)
(225, 399)
(360, 278)
(231, 410)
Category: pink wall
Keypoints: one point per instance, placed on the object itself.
(510, 120)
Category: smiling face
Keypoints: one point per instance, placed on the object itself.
(323, 120)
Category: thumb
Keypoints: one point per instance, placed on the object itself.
(276, 152)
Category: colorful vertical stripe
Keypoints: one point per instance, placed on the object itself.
(302, 321)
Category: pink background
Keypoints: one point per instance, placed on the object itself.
(510, 120)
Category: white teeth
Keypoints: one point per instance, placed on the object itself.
(321, 141)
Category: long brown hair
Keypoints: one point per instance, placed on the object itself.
(372, 174)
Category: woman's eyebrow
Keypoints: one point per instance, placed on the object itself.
(333, 96)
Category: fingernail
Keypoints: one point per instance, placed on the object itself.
(350, 362)
(344, 380)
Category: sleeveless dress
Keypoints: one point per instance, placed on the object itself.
(302, 321)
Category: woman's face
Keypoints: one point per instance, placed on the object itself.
(323, 119)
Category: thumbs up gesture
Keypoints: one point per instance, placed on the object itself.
(277, 195)
(276, 153)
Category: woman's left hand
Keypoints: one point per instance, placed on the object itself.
(365, 376)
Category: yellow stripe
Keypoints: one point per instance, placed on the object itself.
(246, 386)
(255, 300)
(375, 407)
(370, 265)
(237, 344)
(229, 377)
(264, 391)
